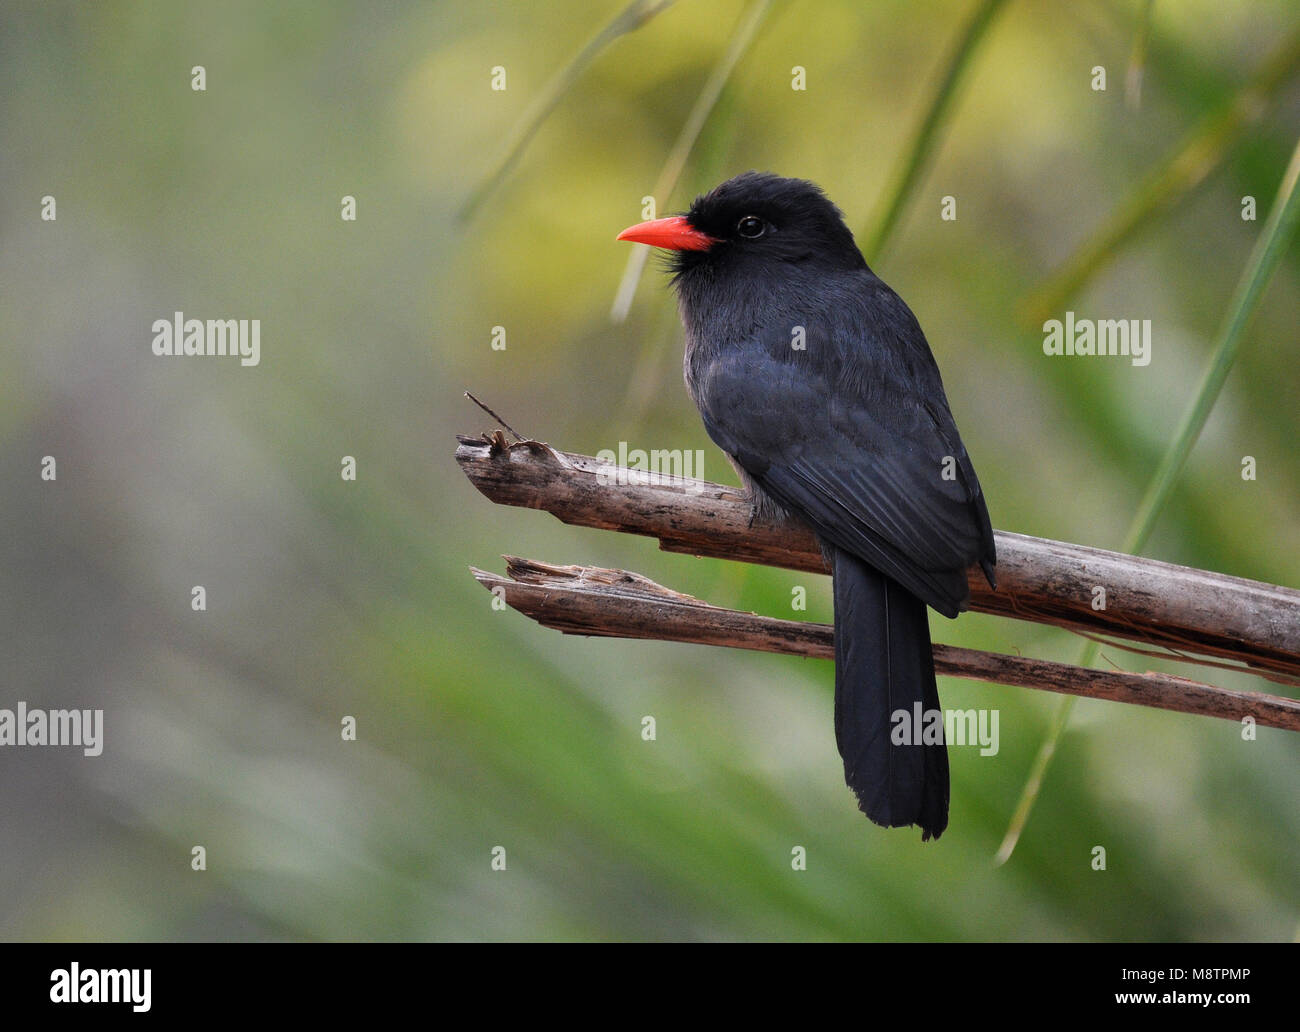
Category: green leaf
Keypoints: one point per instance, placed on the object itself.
(746, 29)
(1199, 154)
(631, 18)
(917, 156)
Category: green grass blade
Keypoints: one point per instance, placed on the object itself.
(746, 30)
(1137, 58)
(1029, 794)
(1264, 259)
(631, 18)
(1199, 154)
(1269, 248)
(910, 170)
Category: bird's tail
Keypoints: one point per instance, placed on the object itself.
(888, 723)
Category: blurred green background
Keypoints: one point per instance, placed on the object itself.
(476, 727)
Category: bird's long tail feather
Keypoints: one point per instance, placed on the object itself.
(887, 712)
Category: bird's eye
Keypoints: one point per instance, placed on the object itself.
(751, 227)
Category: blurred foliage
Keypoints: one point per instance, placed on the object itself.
(476, 727)
(1274, 239)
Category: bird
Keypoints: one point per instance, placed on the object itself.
(817, 382)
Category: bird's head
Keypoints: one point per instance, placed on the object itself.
(754, 220)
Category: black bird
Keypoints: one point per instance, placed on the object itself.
(816, 380)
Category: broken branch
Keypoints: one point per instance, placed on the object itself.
(1039, 580)
(616, 603)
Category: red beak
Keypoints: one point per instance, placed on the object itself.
(674, 233)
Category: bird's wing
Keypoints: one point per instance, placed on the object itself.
(874, 463)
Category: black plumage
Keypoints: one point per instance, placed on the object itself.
(817, 381)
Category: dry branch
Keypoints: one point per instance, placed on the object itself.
(616, 603)
(1039, 580)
